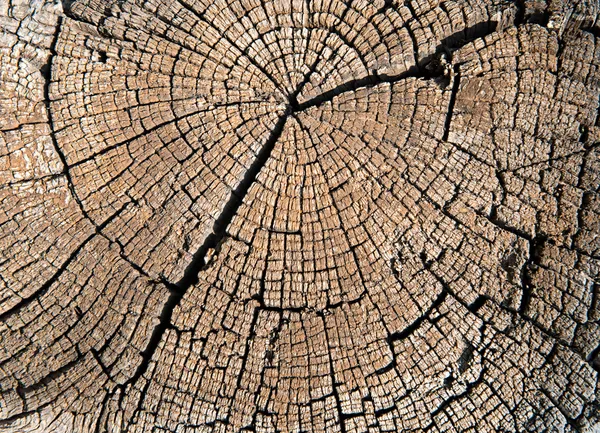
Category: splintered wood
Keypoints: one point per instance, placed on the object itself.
(299, 216)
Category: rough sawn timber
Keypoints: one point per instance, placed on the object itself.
(299, 216)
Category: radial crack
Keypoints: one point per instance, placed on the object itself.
(455, 86)
(199, 263)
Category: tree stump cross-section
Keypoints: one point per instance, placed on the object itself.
(299, 216)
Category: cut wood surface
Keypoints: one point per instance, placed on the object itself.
(299, 216)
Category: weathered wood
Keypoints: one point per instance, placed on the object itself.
(305, 215)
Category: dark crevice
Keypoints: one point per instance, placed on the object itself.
(535, 13)
(584, 133)
(96, 355)
(508, 263)
(478, 303)
(293, 98)
(593, 359)
(535, 249)
(381, 412)
(20, 127)
(406, 332)
(387, 5)
(44, 178)
(66, 5)
(469, 386)
(410, 31)
(468, 34)
(520, 15)
(433, 67)
(465, 357)
(594, 308)
(20, 389)
(46, 72)
(493, 218)
(595, 31)
(102, 56)
(199, 260)
(52, 375)
(231, 207)
(368, 81)
(131, 263)
(451, 103)
(539, 17)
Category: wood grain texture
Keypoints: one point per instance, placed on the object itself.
(299, 216)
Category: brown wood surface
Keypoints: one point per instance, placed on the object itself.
(299, 216)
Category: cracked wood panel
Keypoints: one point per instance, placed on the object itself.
(307, 215)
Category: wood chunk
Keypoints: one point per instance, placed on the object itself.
(299, 216)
